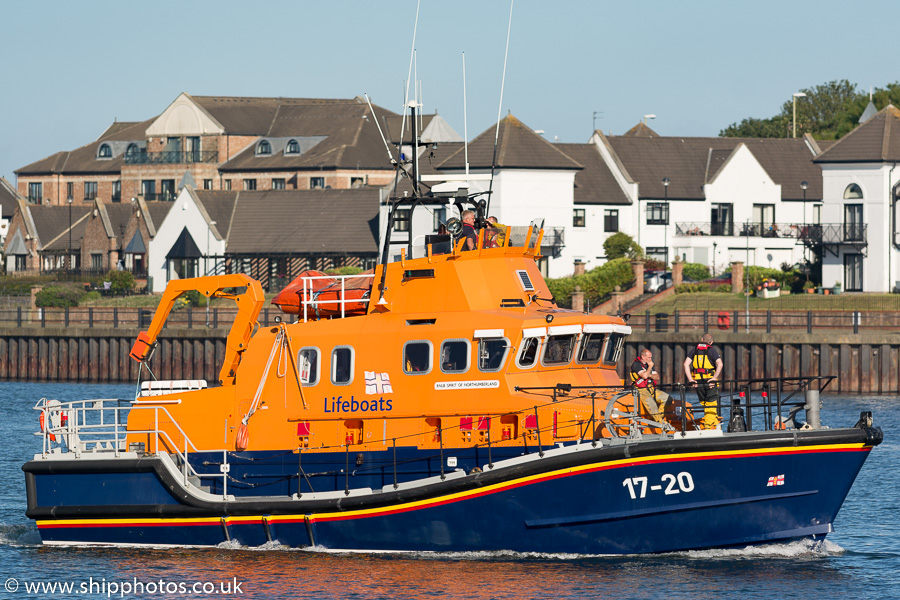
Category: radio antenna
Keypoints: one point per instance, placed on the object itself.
(465, 120)
(499, 109)
(380, 132)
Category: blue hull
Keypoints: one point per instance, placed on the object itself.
(646, 497)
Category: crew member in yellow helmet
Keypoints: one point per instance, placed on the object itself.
(703, 366)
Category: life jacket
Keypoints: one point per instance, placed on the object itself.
(636, 380)
(701, 366)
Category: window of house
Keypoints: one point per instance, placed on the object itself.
(167, 189)
(578, 217)
(613, 348)
(417, 357)
(207, 184)
(116, 195)
(455, 356)
(657, 213)
(185, 268)
(148, 189)
(611, 220)
(293, 147)
(853, 222)
(591, 348)
(853, 272)
(105, 151)
(657, 253)
(853, 192)
(70, 190)
(132, 150)
(764, 217)
(278, 184)
(817, 214)
(317, 183)
(558, 349)
(721, 219)
(401, 219)
(96, 261)
(492, 354)
(20, 262)
(249, 184)
(227, 183)
(308, 365)
(35, 192)
(90, 190)
(357, 182)
(528, 353)
(263, 148)
(342, 365)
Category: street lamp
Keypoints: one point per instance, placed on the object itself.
(69, 252)
(647, 117)
(666, 181)
(804, 232)
(797, 95)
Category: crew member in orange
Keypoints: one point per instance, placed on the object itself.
(703, 366)
(644, 378)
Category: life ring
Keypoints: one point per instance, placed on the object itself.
(724, 320)
(43, 422)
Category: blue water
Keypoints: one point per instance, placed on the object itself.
(861, 560)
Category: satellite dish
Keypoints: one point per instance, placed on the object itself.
(454, 226)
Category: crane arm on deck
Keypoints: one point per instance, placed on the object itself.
(249, 305)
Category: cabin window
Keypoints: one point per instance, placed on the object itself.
(528, 353)
(417, 357)
(342, 365)
(591, 347)
(492, 354)
(613, 348)
(558, 349)
(308, 365)
(455, 356)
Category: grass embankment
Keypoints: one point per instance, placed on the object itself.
(717, 301)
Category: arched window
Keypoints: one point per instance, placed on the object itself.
(853, 192)
(264, 147)
(105, 151)
(293, 147)
(132, 150)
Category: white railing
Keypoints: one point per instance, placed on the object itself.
(309, 297)
(98, 427)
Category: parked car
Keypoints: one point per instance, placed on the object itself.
(720, 279)
(657, 281)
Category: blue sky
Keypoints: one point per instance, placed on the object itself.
(70, 68)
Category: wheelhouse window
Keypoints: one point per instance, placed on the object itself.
(613, 348)
(417, 357)
(401, 219)
(492, 354)
(90, 190)
(308, 364)
(657, 213)
(35, 192)
(558, 349)
(528, 353)
(342, 365)
(578, 217)
(611, 220)
(440, 218)
(455, 356)
(591, 348)
(263, 148)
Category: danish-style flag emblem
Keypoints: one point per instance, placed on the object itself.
(776, 480)
(378, 383)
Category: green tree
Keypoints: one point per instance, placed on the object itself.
(621, 245)
(121, 282)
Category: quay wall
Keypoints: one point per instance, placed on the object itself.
(865, 362)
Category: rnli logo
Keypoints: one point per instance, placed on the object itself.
(775, 480)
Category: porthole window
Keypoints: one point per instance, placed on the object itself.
(293, 147)
(342, 365)
(558, 349)
(455, 356)
(853, 192)
(308, 365)
(492, 354)
(105, 151)
(417, 357)
(591, 348)
(613, 348)
(528, 353)
(264, 147)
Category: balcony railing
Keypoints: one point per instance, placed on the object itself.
(829, 233)
(171, 158)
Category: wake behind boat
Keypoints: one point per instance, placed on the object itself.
(460, 410)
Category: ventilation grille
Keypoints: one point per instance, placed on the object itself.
(526, 280)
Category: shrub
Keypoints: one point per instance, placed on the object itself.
(595, 284)
(652, 264)
(58, 296)
(621, 245)
(190, 298)
(696, 271)
(121, 282)
(344, 271)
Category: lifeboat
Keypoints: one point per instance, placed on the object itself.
(326, 296)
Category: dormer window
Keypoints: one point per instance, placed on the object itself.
(105, 151)
(132, 150)
(264, 148)
(853, 192)
(293, 147)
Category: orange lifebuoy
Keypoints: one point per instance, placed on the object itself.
(724, 320)
(43, 422)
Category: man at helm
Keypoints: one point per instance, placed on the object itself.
(702, 367)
